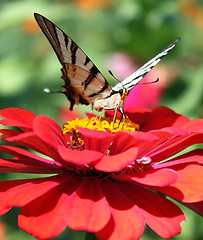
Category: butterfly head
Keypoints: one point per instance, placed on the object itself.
(123, 92)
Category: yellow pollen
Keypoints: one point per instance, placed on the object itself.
(102, 124)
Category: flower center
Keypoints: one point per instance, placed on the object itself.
(102, 124)
(76, 142)
(74, 138)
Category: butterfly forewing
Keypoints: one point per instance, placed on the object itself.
(83, 81)
(137, 76)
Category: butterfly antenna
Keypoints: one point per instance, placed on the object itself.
(115, 77)
(149, 82)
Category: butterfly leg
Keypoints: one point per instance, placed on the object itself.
(121, 110)
(123, 117)
(98, 116)
(114, 117)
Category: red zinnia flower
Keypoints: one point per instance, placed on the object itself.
(102, 181)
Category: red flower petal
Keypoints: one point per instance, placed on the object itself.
(177, 145)
(78, 157)
(43, 217)
(6, 185)
(189, 186)
(49, 131)
(6, 133)
(17, 117)
(126, 222)
(163, 117)
(21, 192)
(163, 177)
(125, 140)
(12, 165)
(27, 157)
(30, 140)
(96, 140)
(18, 136)
(162, 140)
(194, 156)
(162, 215)
(3, 211)
(87, 208)
(111, 163)
(195, 125)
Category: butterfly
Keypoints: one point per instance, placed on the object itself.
(83, 82)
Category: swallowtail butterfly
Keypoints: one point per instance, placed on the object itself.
(83, 82)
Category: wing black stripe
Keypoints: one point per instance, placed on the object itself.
(56, 35)
(73, 49)
(88, 80)
(66, 40)
(94, 70)
(101, 91)
(87, 60)
(91, 76)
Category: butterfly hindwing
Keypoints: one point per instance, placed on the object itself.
(83, 82)
(80, 91)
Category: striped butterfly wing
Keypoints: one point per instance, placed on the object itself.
(137, 76)
(83, 82)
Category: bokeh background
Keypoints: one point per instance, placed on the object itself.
(117, 35)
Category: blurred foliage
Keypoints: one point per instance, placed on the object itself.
(139, 29)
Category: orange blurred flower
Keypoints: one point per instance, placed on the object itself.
(193, 10)
(92, 4)
(30, 26)
(2, 231)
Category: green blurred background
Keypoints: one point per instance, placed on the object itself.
(114, 34)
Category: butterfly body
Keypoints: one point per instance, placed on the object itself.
(109, 103)
(83, 82)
